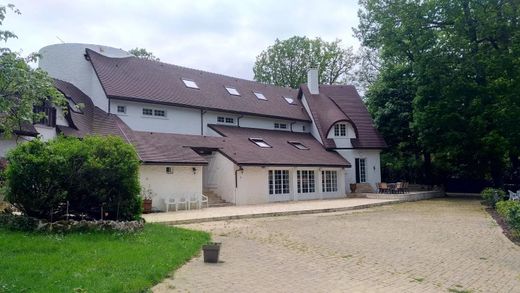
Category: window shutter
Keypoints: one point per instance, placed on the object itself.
(357, 171)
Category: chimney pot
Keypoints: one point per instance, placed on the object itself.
(312, 81)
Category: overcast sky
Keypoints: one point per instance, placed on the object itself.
(217, 36)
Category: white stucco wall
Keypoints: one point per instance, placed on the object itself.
(343, 142)
(182, 182)
(373, 165)
(219, 176)
(46, 133)
(253, 185)
(67, 62)
(178, 119)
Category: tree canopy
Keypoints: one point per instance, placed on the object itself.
(21, 87)
(143, 54)
(449, 82)
(286, 62)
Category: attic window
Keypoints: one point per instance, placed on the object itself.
(280, 126)
(190, 83)
(298, 145)
(260, 142)
(74, 107)
(289, 100)
(260, 96)
(340, 130)
(232, 91)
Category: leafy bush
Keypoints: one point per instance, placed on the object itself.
(93, 175)
(510, 210)
(18, 223)
(492, 195)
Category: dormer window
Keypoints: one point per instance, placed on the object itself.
(289, 100)
(260, 142)
(260, 96)
(298, 145)
(232, 91)
(340, 130)
(190, 83)
(74, 107)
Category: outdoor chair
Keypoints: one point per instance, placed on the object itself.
(399, 187)
(172, 201)
(183, 201)
(194, 199)
(514, 195)
(383, 187)
(204, 199)
(405, 188)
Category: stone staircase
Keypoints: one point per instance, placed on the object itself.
(214, 200)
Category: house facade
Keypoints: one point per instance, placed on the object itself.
(197, 132)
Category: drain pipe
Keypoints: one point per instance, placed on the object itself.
(202, 112)
(238, 120)
(236, 181)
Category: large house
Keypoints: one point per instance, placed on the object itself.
(201, 132)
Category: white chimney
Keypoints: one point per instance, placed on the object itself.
(312, 81)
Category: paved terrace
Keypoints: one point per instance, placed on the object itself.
(281, 208)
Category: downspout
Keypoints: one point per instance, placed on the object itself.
(238, 122)
(236, 181)
(202, 112)
(292, 125)
(109, 110)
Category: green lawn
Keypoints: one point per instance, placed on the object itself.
(94, 262)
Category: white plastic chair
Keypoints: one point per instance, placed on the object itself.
(172, 201)
(513, 195)
(194, 199)
(204, 199)
(183, 201)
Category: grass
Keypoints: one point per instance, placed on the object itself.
(94, 262)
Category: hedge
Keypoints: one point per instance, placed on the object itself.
(95, 177)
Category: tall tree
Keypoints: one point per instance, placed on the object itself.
(143, 54)
(464, 58)
(21, 87)
(286, 62)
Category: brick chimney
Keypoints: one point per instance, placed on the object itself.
(312, 81)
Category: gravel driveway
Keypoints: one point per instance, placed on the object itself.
(441, 245)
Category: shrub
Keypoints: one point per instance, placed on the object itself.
(510, 210)
(91, 175)
(493, 195)
(18, 223)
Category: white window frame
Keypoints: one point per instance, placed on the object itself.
(298, 145)
(340, 130)
(279, 182)
(260, 142)
(147, 115)
(329, 180)
(119, 112)
(225, 120)
(289, 100)
(362, 170)
(153, 113)
(306, 181)
(278, 125)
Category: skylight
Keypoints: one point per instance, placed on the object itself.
(260, 96)
(289, 100)
(260, 142)
(298, 145)
(190, 83)
(232, 91)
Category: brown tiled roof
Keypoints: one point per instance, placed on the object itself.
(342, 103)
(238, 148)
(136, 79)
(348, 100)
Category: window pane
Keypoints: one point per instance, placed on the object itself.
(232, 91)
(147, 112)
(160, 113)
(190, 83)
(260, 96)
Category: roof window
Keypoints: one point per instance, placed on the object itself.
(232, 91)
(289, 100)
(260, 96)
(298, 145)
(190, 83)
(260, 142)
(76, 108)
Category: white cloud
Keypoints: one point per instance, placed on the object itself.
(218, 36)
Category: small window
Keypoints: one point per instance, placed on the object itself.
(298, 145)
(340, 130)
(260, 96)
(190, 83)
(159, 113)
(147, 112)
(260, 142)
(226, 120)
(280, 126)
(169, 170)
(121, 109)
(329, 181)
(232, 91)
(289, 100)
